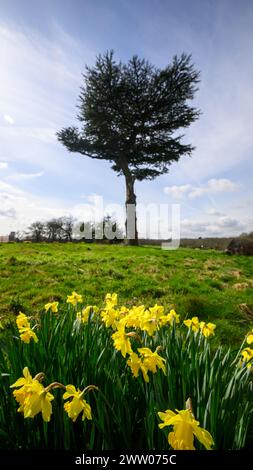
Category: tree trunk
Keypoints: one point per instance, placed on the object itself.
(131, 220)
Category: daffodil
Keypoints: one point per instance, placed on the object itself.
(24, 328)
(32, 397)
(171, 317)
(77, 405)
(148, 323)
(185, 427)
(157, 311)
(111, 300)
(192, 323)
(136, 364)
(23, 381)
(110, 317)
(247, 357)
(38, 400)
(74, 299)
(121, 341)
(26, 334)
(133, 319)
(151, 360)
(249, 337)
(22, 321)
(53, 306)
(207, 329)
(86, 312)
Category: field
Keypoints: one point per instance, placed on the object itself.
(210, 284)
(141, 369)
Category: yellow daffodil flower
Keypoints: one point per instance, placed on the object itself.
(26, 334)
(192, 323)
(77, 405)
(24, 328)
(87, 311)
(157, 311)
(148, 323)
(32, 397)
(207, 329)
(111, 300)
(134, 317)
(135, 363)
(26, 380)
(247, 355)
(38, 400)
(185, 427)
(110, 317)
(121, 341)
(171, 317)
(22, 321)
(74, 299)
(53, 306)
(249, 337)
(152, 360)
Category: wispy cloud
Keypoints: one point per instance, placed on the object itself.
(24, 176)
(8, 119)
(212, 186)
(177, 192)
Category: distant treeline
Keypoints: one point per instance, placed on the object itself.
(67, 229)
(216, 243)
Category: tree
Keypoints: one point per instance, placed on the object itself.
(36, 231)
(129, 114)
(67, 225)
(54, 229)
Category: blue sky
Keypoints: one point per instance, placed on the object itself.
(44, 47)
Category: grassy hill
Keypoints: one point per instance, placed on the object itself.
(206, 283)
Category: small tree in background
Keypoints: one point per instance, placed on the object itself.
(36, 231)
(67, 225)
(129, 114)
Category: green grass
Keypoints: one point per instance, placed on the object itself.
(210, 284)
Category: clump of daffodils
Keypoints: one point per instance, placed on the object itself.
(207, 329)
(247, 353)
(34, 398)
(138, 321)
(185, 429)
(24, 328)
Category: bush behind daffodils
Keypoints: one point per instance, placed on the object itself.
(115, 377)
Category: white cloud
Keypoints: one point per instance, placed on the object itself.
(214, 186)
(222, 226)
(211, 187)
(8, 119)
(24, 176)
(177, 192)
(3, 165)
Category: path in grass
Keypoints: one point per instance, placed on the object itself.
(214, 286)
